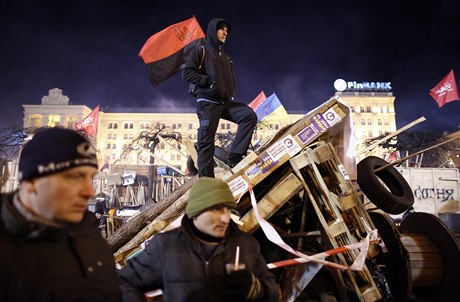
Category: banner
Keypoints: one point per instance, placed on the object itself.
(89, 123)
(167, 50)
(446, 91)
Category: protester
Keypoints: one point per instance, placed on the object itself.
(190, 263)
(211, 71)
(100, 211)
(51, 248)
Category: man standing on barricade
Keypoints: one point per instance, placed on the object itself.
(210, 70)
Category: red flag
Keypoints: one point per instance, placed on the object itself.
(446, 91)
(167, 50)
(258, 100)
(89, 123)
(393, 156)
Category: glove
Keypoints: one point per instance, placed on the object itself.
(242, 285)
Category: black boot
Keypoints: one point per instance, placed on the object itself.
(233, 159)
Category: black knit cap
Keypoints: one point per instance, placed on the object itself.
(54, 150)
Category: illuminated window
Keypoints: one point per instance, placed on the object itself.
(35, 120)
(54, 120)
(70, 121)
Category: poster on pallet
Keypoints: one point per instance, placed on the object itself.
(329, 122)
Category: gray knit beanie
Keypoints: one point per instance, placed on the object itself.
(206, 193)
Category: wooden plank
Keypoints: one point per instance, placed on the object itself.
(128, 230)
(300, 134)
(272, 202)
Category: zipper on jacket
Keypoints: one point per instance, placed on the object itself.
(206, 270)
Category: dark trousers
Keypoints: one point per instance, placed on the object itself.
(209, 115)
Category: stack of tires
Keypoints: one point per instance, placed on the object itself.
(420, 257)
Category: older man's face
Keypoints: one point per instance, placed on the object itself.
(63, 196)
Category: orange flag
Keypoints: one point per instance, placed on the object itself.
(446, 91)
(89, 123)
(167, 50)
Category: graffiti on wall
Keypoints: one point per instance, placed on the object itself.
(439, 194)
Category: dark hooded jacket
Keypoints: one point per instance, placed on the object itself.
(215, 78)
(71, 263)
(175, 262)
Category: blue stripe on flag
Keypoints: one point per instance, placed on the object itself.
(268, 106)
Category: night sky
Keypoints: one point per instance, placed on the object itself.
(297, 49)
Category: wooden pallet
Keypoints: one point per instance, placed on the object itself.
(338, 209)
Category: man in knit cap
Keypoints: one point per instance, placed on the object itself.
(190, 263)
(51, 249)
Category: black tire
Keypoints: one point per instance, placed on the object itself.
(192, 170)
(396, 197)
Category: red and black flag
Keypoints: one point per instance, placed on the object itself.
(167, 50)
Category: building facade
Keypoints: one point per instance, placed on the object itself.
(119, 131)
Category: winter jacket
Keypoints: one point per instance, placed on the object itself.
(215, 78)
(175, 262)
(70, 263)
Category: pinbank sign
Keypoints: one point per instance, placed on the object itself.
(342, 85)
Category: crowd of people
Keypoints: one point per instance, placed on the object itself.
(52, 248)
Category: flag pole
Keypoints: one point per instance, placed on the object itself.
(416, 153)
